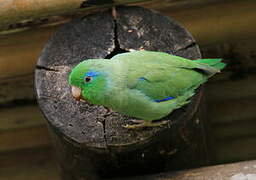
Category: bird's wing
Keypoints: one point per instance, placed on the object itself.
(163, 76)
(162, 58)
(162, 83)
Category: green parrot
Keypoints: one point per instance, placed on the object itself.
(146, 85)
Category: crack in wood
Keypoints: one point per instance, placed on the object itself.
(46, 68)
(117, 49)
(192, 44)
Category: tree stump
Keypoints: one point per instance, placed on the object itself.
(92, 143)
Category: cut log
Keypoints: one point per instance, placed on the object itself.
(90, 143)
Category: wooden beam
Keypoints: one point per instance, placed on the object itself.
(28, 164)
(23, 13)
(39, 164)
(211, 22)
(235, 171)
(19, 51)
(241, 88)
(24, 138)
(231, 111)
(20, 117)
(17, 88)
(232, 150)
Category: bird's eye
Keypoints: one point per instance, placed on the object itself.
(87, 79)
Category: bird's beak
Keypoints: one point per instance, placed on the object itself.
(76, 93)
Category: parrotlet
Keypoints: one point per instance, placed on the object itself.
(146, 85)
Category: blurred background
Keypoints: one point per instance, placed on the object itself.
(222, 28)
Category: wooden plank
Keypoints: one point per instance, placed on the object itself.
(29, 164)
(19, 88)
(231, 111)
(231, 90)
(236, 171)
(22, 127)
(12, 12)
(20, 117)
(211, 22)
(38, 164)
(20, 13)
(233, 130)
(24, 138)
(19, 51)
(239, 149)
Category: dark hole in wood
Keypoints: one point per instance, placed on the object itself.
(117, 49)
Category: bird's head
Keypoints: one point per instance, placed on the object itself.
(88, 81)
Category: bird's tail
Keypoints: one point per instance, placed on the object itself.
(215, 63)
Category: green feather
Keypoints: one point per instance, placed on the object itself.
(130, 83)
(216, 63)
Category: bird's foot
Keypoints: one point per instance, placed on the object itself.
(144, 123)
(108, 112)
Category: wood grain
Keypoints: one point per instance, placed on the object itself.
(244, 88)
(19, 51)
(24, 138)
(14, 89)
(242, 170)
(22, 13)
(213, 21)
(28, 164)
(19, 117)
